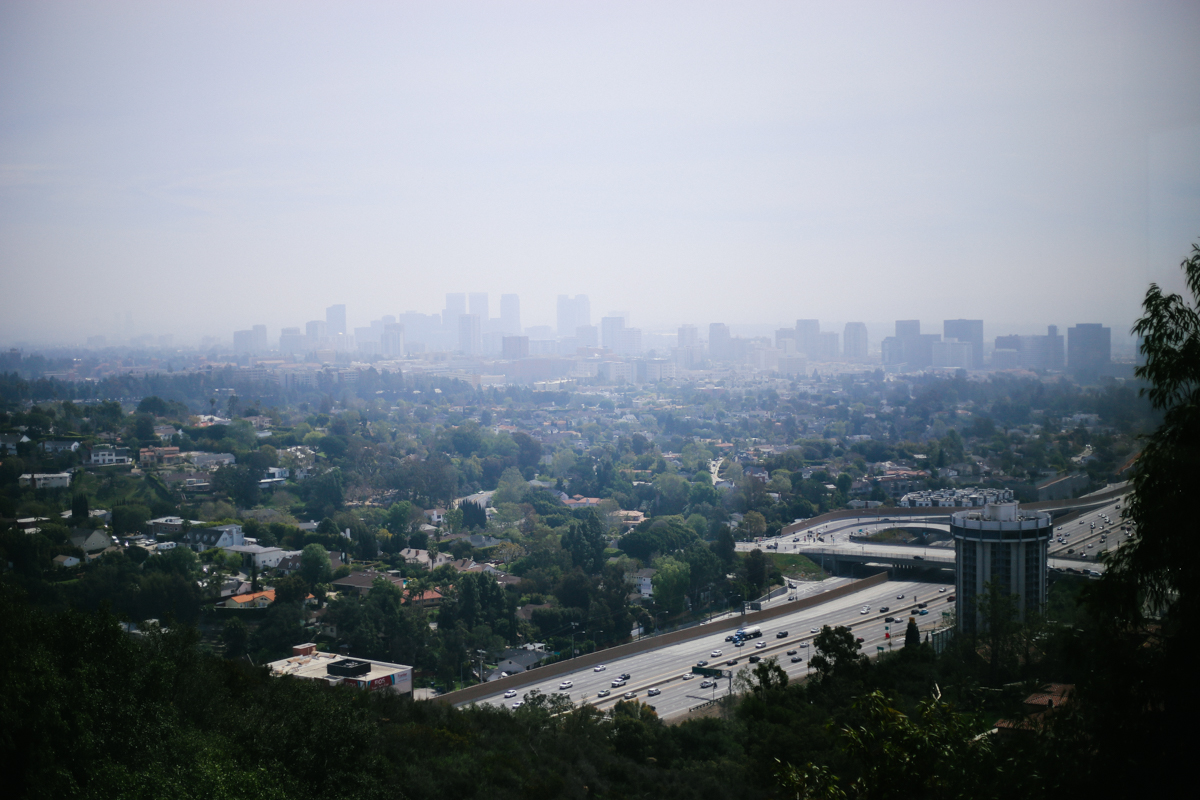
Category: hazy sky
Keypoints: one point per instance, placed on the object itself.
(208, 166)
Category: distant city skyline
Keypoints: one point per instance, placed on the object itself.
(191, 170)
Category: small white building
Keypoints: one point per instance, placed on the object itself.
(107, 456)
(45, 480)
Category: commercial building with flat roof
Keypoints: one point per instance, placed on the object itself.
(307, 663)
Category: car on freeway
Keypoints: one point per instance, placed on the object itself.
(813, 630)
(922, 605)
(566, 685)
(687, 676)
(655, 692)
(706, 683)
(923, 611)
(791, 652)
(739, 643)
(796, 659)
(942, 589)
(950, 599)
(618, 683)
(760, 645)
(702, 663)
(716, 653)
(599, 668)
(889, 619)
(859, 639)
(865, 610)
(604, 693)
(804, 644)
(629, 695)
(729, 638)
(518, 704)
(755, 659)
(900, 596)
(731, 662)
(625, 676)
(510, 693)
(781, 635)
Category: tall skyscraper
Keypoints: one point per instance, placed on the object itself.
(260, 338)
(573, 312)
(335, 320)
(1089, 349)
(291, 341)
(808, 336)
(479, 305)
(609, 329)
(1000, 547)
(470, 335)
(510, 314)
(854, 341)
(317, 333)
(720, 343)
(967, 330)
(391, 341)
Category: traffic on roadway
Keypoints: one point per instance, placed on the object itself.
(663, 677)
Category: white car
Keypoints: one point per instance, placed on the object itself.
(517, 704)
(760, 645)
(715, 654)
(687, 676)
(864, 610)
(510, 693)
(813, 630)
(943, 589)
(565, 685)
(655, 692)
(600, 668)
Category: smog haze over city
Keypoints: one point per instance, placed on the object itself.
(191, 169)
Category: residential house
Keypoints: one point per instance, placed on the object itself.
(257, 555)
(165, 432)
(515, 661)
(252, 600)
(45, 480)
(66, 562)
(436, 515)
(59, 446)
(9, 442)
(221, 536)
(212, 460)
(361, 582)
(107, 455)
(642, 581)
(91, 541)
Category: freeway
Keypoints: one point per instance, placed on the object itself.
(1074, 541)
(663, 669)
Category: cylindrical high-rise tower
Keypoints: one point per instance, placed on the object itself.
(1002, 546)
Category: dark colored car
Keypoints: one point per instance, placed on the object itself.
(754, 659)
(884, 609)
(731, 662)
(781, 635)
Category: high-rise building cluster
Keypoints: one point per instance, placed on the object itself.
(612, 348)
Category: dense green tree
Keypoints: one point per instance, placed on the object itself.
(314, 564)
(836, 654)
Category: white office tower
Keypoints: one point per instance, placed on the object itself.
(391, 341)
(478, 305)
(854, 341)
(510, 314)
(573, 313)
(470, 335)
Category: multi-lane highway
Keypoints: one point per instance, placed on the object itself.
(1093, 533)
(1079, 539)
(663, 669)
